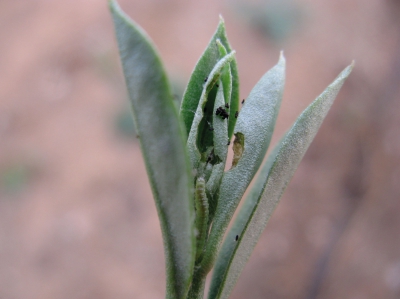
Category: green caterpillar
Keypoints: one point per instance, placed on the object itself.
(201, 204)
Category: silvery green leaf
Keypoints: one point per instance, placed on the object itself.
(163, 146)
(203, 131)
(202, 69)
(220, 125)
(265, 194)
(253, 132)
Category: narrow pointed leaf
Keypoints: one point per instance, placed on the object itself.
(202, 69)
(231, 88)
(234, 104)
(163, 147)
(253, 133)
(265, 194)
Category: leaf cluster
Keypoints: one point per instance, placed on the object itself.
(185, 154)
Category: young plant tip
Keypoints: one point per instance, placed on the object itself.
(186, 155)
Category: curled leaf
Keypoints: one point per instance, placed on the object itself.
(201, 129)
(255, 123)
(200, 74)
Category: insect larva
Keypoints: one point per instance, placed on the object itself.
(201, 203)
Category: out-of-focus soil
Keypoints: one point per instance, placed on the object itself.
(77, 218)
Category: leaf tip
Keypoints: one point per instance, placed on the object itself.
(117, 11)
(350, 67)
(282, 60)
(221, 20)
(346, 72)
(113, 5)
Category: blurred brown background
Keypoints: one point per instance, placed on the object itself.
(77, 218)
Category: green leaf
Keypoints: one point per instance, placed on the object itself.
(269, 186)
(202, 132)
(220, 126)
(234, 105)
(227, 81)
(202, 69)
(163, 147)
(253, 133)
(226, 75)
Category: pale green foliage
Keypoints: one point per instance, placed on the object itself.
(185, 156)
(163, 146)
(255, 124)
(268, 188)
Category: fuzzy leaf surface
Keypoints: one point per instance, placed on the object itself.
(163, 147)
(266, 193)
(200, 74)
(220, 143)
(213, 77)
(253, 133)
